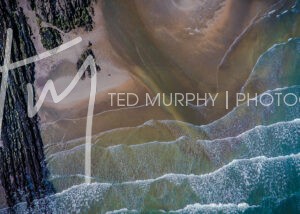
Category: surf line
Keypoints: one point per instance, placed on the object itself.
(49, 87)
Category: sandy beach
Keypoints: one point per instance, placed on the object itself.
(144, 47)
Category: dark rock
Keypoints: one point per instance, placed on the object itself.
(65, 14)
(50, 37)
(81, 60)
(23, 170)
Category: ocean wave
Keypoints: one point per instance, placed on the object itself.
(241, 181)
(246, 117)
(197, 208)
(214, 208)
(274, 69)
(183, 156)
(240, 119)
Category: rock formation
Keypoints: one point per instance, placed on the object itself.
(50, 38)
(65, 14)
(23, 169)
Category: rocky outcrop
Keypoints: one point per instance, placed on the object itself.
(50, 38)
(80, 61)
(65, 14)
(23, 169)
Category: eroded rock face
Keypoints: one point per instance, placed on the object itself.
(23, 169)
(65, 14)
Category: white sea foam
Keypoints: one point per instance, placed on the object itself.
(228, 187)
(209, 208)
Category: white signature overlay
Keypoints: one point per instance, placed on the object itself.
(49, 86)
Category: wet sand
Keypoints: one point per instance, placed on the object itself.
(180, 47)
(147, 47)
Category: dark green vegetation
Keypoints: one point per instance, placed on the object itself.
(65, 14)
(50, 37)
(80, 18)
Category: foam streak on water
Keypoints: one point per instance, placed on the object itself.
(241, 181)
